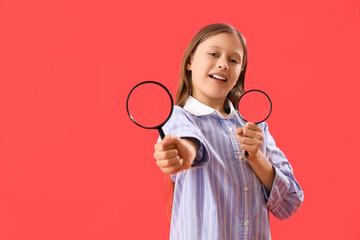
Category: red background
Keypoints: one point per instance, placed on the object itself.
(72, 164)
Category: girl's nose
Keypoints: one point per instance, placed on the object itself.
(222, 64)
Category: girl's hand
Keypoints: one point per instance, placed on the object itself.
(174, 154)
(250, 138)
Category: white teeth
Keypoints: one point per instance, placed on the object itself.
(219, 77)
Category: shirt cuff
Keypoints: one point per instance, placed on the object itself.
(278, 191)
(202, 156)
(199, 157)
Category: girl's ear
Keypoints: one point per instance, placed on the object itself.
(188, 66)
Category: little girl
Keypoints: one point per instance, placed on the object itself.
(218, 193)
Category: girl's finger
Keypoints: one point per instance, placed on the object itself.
(253, 134)
(162, 155)
(173, 169)
(161, 147)
(249, 148)
(252, 126)
(250, 141)
(239, 131)
(168, 162)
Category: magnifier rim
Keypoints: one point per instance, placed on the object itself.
(254, 90)
(171, 99)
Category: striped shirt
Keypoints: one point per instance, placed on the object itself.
(220, 197)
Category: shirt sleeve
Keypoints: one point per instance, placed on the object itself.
(286, 195)
(182, 125)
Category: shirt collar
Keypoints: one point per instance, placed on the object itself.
(197, 108)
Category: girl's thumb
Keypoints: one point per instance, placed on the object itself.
(169, 139)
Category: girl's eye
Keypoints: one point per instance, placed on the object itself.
(234, 61)
(213, 54)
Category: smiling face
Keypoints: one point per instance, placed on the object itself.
(215, 68)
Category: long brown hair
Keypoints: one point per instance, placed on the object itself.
(185, 85)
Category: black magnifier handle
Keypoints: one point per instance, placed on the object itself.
(161, 132)
(246, 154)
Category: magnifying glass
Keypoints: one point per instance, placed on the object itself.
(254, 106)
(150, 105)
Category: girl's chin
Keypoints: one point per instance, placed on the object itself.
(219, 98)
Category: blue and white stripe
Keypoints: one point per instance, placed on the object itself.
(220, 197)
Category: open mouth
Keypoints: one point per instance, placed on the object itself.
(218, 77)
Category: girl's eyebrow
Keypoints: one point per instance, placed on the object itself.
(233, 52)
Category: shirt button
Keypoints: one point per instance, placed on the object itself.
(246, 224)
(246, 189)
(271, 203)
(230, 129)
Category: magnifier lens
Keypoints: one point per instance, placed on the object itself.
(254, 106)
(149, 105)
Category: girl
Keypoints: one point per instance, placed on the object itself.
(218, 193)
